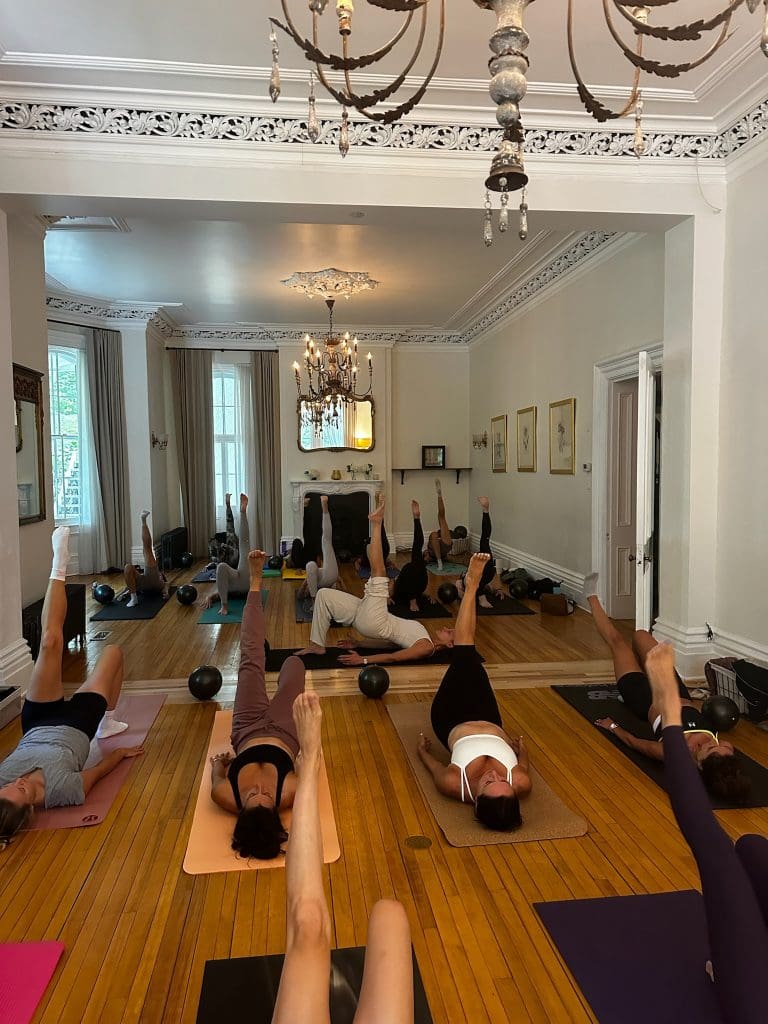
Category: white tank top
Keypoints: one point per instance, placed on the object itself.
(466, 749)
(406, 632)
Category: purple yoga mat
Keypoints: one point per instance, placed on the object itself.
(637, 959)
(25, 970)
(140, 712)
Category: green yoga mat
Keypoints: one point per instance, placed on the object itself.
(211, 617)
(449, 569)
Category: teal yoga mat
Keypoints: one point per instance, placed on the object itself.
(211, 617)
(449, 569)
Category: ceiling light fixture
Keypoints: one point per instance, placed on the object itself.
(330, 283)
(508, 67)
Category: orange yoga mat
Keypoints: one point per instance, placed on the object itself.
(209, 849)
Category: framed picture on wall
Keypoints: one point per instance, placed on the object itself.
(526, 440)
(499, 444)
(433, 456)
(562, 436)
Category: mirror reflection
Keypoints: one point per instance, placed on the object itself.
(28, 444)
(351, 430)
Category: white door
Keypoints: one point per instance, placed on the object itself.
(646, 416)
(622, 528)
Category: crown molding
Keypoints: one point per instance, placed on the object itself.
(94, 312)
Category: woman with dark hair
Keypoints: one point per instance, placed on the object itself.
(259, 780)
(734, 879)
(720, 770)
(487, 767)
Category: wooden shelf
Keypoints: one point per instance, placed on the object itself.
(458, 470)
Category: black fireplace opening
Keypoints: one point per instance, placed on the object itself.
(349, 516)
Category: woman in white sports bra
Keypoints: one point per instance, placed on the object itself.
(487, 767)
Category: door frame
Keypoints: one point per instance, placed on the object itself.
(605, 373)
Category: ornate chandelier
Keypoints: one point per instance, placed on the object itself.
(508, 67)
(332, 370)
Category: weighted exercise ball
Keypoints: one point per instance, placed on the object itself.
(103, 593)
(373, 681)
(447, 593)
(275, 562)
(205, 682)
(186, 594)
(186, 559)
(721, 713)
(459, 532)
(518, 587)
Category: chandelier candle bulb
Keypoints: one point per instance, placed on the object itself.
(274, 78)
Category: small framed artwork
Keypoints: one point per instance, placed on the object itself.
(526, 440)
(499, 444)
(562, 436)
(433, 456)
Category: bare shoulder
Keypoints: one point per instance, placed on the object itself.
(222, 795)
(289, 791)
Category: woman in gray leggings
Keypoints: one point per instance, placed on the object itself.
(328, 574)
(229, 581)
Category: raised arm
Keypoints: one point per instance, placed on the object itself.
(92, 775)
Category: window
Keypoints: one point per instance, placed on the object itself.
(64, 370)
(227, 442)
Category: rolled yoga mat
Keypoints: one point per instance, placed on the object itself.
(26, 968)
(210, 616)
(604, 701)
(139, 712)
(637, 959)
(277, 655)
(245, 988)
(147, 608)
(545, 816)
(209, 849)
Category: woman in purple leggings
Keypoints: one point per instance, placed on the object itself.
(734, 879)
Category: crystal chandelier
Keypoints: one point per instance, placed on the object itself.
(332, 370)
(508, 67)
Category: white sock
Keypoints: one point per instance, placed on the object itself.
(109, 726)
(590, 585)
(134, 600)
(60, 544)
(440, 564)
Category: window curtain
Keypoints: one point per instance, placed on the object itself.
(192, 379)
(107, 542)
(246, 450)
(267, 488)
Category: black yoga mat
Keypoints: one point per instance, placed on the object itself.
(604, 701)
(637, 959)
(427, 610)
(304, 607)
(277, 655)
(507, 606)
(147, 608)
(246, 988)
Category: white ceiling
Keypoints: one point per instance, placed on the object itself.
(221, 50)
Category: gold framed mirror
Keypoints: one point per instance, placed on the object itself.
(30, 465)
(353, 431)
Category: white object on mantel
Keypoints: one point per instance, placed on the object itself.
(301, 488)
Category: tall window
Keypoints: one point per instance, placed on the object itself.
(227, 441)
(64, 369)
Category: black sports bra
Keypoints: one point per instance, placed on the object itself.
(692, 720)
(262, 753)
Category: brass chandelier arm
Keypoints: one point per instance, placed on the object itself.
(592, 105)
(654, 67)
(398, 5)
(332, 60)
(678, 33)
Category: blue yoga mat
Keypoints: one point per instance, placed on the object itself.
(637, 959)
(449, 569)
(211, 617)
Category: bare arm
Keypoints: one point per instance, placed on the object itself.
(92, 775)
(648, 747)
(521, 772)
(421, 649)
(445, 777)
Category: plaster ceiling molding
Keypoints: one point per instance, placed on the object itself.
(53, 222)
(73, 119)
(288, 334)
(97, 311)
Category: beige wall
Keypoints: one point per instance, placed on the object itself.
(547, 355)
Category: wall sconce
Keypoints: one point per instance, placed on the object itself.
(480, 440)
(159, 441)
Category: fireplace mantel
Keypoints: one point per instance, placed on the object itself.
(301, 488)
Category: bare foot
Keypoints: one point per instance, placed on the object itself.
(415, 510)
(256, 559)
(475, 570)
(660, 668)
(243, 502)
(312, 649)
(308, 717)
(377, 516)
(483, 602)
(484, 503)
(228, 498)
(324, 502)
(224, 610)
(414, 605)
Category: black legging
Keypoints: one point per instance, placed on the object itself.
(364, 563)
(308, 548)
(465, 694)
(413, 578)
(489, 569)
(734, 884)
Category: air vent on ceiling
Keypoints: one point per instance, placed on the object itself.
(53, 223)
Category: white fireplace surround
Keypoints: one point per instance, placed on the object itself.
(301, 488)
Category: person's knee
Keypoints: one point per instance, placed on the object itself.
(115, 655)
(309, 923)
(52, 643)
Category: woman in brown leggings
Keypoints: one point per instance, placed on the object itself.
(259, 781)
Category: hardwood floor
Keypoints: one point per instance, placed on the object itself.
(138, 930)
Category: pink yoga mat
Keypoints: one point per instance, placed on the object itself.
(25, 970)
(140, 712)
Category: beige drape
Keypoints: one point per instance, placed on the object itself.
(192, 378)
(266, 437)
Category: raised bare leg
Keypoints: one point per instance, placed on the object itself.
(642, 644)
(107, 679)
(375, 549)
(386, 996)
(624, 659)
(150, 562)
(45, 684)
(466, 620)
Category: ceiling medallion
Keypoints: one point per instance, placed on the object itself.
(330, 283)
(508, 67)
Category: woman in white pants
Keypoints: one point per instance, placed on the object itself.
(369, 615)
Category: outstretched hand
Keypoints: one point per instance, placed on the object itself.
(130, 751)
(353, 658)
(604, 723)
(348, 642)
(424, 745)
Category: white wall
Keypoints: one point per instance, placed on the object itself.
(547, 355)
(742, 549)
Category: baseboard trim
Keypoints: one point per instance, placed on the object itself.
(16, 664)
(731, 645)
(572, 582)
